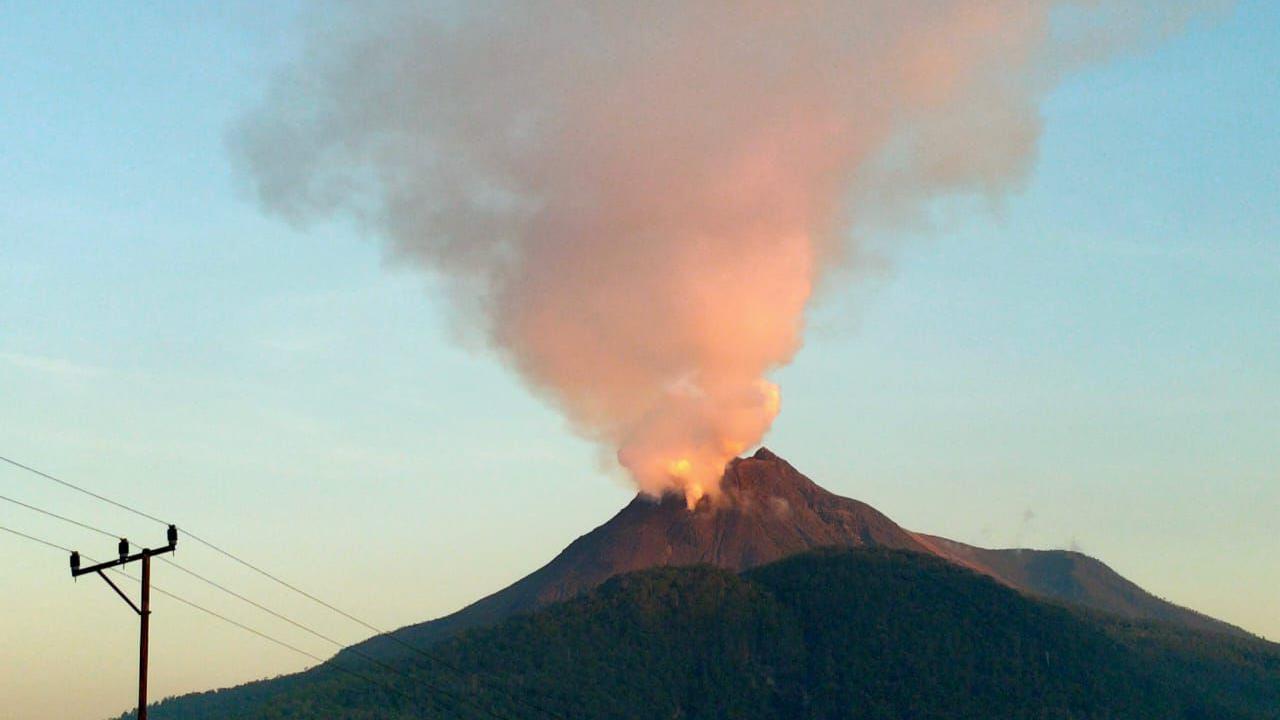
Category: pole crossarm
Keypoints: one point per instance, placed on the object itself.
(77, 572)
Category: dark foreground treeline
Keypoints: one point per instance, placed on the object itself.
(833, 634)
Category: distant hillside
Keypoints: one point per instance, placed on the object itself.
(1074, 578)
(870, 633)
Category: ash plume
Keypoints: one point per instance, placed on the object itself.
(633, 202)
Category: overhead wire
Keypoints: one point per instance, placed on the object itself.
(228, 554)
(77, 488)
(187, 533)
(234, 594)
(277, 641)
(33, 538)
(63, 518)
(191, 573)
(254, 603)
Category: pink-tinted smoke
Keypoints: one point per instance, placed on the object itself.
(634, 201)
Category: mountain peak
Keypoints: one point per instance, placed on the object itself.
(764, 453)
(763, 478)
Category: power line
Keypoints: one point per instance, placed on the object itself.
(187, 533)
(79, 489)
(283, 583)
(277, 580)
(212, 613)
(261, 607)
(33, 538)
(63, 518)
(192, 573)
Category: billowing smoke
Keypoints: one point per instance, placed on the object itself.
(634, 201)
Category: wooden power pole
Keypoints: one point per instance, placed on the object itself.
(143, 609)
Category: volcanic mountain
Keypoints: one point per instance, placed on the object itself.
(767, 510)
(779, 599)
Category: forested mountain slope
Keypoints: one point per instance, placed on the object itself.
(849, 633)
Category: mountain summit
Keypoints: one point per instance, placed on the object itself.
(767, 510)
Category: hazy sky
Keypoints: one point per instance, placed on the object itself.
(1094, 363)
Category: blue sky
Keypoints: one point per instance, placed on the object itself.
(1095, 363)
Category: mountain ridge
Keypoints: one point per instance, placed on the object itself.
(1074, 578)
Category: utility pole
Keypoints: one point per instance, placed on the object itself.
(144, 609)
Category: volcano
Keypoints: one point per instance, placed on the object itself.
(766, 511)
(778, 599)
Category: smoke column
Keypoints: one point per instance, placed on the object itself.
(634, 201)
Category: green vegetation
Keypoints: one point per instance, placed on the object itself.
(831, 634)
